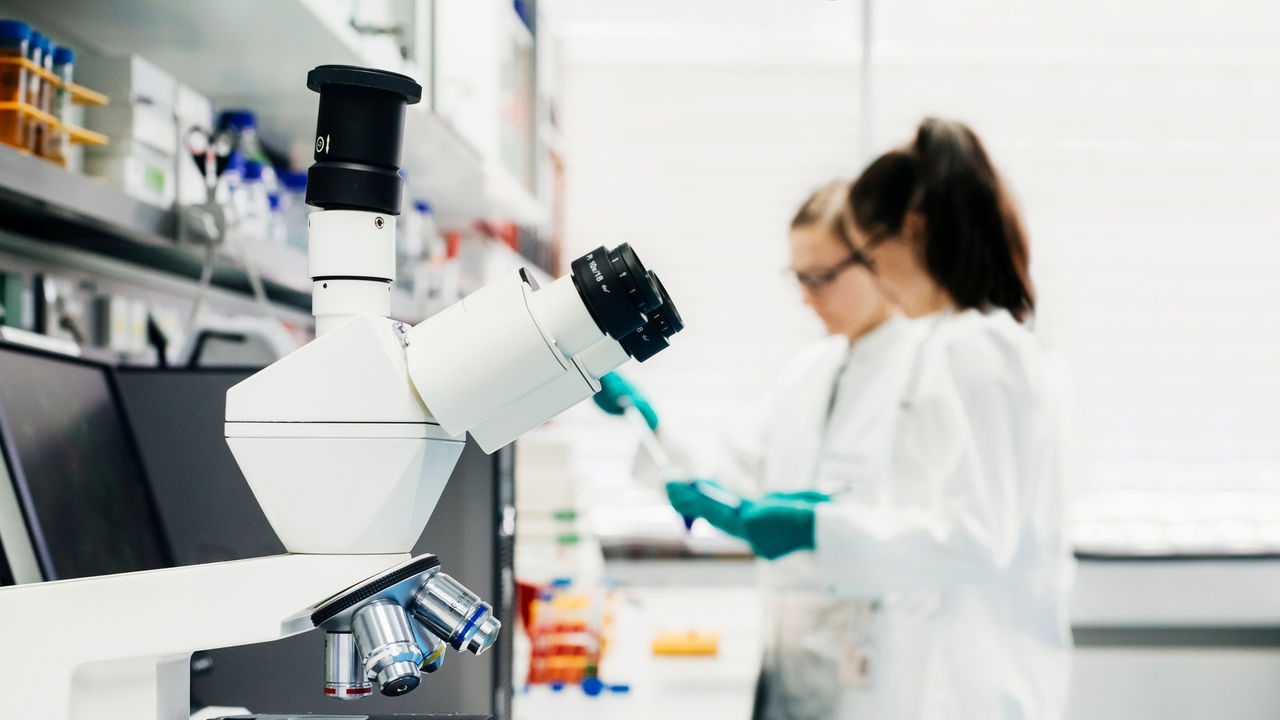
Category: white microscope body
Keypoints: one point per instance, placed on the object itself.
(347, 444)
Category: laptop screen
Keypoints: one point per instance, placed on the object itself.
(75, 470)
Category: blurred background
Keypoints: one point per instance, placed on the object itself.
(1141, 141)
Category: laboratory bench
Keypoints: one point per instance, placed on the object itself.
(1156, 637)
(718, 686)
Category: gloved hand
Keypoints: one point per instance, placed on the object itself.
(778, 526)
(616, 395)
(710, 500)
(804, 496)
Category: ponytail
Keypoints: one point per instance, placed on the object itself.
(974, 244)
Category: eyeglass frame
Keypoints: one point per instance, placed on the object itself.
(815, 281)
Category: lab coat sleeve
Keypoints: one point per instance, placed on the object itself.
(961, 445)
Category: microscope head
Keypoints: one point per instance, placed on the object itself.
(337, 447)
(347, 442)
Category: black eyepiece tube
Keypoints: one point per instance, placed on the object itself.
(359, 133)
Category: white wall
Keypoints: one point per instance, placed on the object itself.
(1143, 142)
(1142, 139)
(700, 168)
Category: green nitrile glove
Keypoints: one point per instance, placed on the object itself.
(811, 497)
(777, 527)
(710, 500)
(616, 395)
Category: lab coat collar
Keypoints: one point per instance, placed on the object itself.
(880, 336)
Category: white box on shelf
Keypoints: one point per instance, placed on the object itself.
(129, 80)
(190, 110)
(143, 173)
(134, 124)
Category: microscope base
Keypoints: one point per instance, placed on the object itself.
(117, 647)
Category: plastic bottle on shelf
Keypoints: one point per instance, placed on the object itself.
(35, 53)
(294, 208)
(277, 232)
(432, 239)
(14, 38)
(409, 250)
(59, 141)
(415, 222)
(227, 190)
(252, 204)
(443, 274)
(432, 251)
(243, 126)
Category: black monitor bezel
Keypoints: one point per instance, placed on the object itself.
(21, 486)
(6, 573)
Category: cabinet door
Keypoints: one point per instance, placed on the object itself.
(469, 35)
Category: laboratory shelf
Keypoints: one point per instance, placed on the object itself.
(41, 200)
(256, 67)
(60, 208)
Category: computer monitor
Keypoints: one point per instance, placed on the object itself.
(75, 479)
(208, 510)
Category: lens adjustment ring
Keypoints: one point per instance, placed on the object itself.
(634, 277)
(615, 288)
(663, 322)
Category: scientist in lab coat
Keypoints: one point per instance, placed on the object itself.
(966, 539)
(820, 425)
(937, 528)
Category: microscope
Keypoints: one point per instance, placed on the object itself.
(347, 444)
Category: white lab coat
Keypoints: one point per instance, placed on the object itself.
(938, 587)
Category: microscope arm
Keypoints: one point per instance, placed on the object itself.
(64, 641)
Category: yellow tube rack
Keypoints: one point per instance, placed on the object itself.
(78, 135)
(80, 95)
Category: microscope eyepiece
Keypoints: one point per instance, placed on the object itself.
(615, 288)
(359, 133)
(663, 322)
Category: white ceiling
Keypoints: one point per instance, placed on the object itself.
(732, 31)
(1039, 31)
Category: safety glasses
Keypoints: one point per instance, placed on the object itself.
(815, 280)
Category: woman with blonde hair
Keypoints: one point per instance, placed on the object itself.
(812, 437)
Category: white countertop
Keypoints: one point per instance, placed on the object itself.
(671, 688)
(722, 595)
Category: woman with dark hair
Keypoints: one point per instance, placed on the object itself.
(933, 516)
(966, 549)
(815, 430)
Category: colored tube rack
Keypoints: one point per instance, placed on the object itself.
(568, 633)
(80, 95)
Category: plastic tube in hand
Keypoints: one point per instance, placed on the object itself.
(649, 441)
